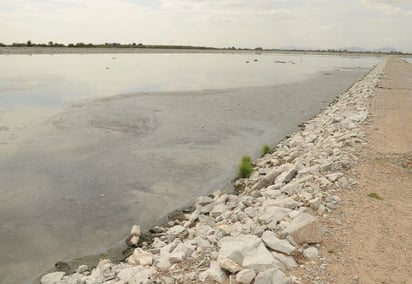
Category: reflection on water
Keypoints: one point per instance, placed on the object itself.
(52, 80)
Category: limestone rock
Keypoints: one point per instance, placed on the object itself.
(271, 241)
(216, 273)
(286, 261)
(229, 265)
(141, 257)
(279, 277)
(175, 231)
(268, 179)
(310, 253)
(272, 214)
(264, 277)
(52, 278)
(304, 229)
(245, 276)
(286, 176)
(247, 251)
(288, 202)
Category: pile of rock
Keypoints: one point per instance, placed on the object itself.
(258, 234)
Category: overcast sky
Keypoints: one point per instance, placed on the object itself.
(221, 23)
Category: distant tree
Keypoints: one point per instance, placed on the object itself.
(258, 48)
(70, 45)
(18, 44)
(29, 43)
(50, 43)
(2, 44)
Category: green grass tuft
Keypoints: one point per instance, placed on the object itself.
(265, 150)
(245, 167)
(375, 195)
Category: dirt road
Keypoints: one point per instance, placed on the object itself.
(370, 237)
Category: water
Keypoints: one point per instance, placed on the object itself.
(50, 80)
(79, 165)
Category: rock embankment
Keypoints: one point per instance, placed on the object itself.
(261, 234)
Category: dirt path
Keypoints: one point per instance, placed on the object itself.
(370, 239)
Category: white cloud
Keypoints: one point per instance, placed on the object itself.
(266, 23)
(390, 7)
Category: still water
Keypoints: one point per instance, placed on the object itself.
(73, 180)
(50, 80)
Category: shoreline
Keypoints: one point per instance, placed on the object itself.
(256, 121)
(99, 50)
(285, 186)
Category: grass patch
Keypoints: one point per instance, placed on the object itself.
(265, 150)
(245, 167)
(375, 195)
(331, 251)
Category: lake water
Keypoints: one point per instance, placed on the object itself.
(79, 165)
(50, 80)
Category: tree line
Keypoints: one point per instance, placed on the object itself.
(29, 43)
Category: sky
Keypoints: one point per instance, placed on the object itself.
(314, 24)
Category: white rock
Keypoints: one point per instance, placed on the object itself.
(245, 276)
(290, 188)
(271, 241)
(272, 214)
(264, 277)
(157, 243)
(128, 273)
(203, 230)
(216, 273)
(251, 212)
(202, 242)
(82, 268)
(229, 265)
(271, 193)
(279, 277)
(141, 257)
(260, 260)
(133, 241)
(218, 210)
(204, 200)
(136, 230)
(286, 176)
(162, 262)
(248, 251)
(286, 261)
(310, 253)
(315, 203)
(268, 179)
(52, 278)
(304, 229)
(207, 220)
(287, 202)
(175, 231)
